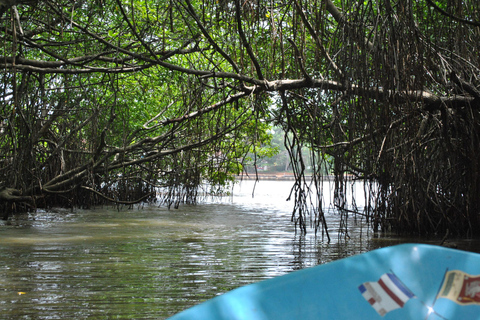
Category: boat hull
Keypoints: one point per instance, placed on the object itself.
(334, 290)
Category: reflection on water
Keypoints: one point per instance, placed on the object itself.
(150, 262)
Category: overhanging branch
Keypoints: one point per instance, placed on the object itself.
(118, 201)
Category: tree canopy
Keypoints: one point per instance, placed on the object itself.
(110, 99)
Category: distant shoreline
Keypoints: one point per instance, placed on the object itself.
(279, 176)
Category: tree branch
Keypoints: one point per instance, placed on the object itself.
(245, 42)
(340, 18)
(204, 31)
(454, 17)
(317, 41)
(118, 201)
(467, 87)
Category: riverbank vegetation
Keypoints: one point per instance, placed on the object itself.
(106, 101)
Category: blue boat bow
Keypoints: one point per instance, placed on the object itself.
(409, 281)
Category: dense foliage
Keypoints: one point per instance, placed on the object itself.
(110, 99)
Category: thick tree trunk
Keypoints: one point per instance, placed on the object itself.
(13, 195)
(10, 196)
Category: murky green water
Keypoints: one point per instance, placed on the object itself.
(150, 262)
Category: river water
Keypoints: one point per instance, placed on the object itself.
(150, 262)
